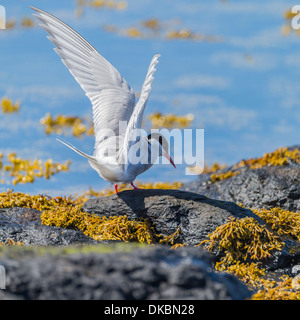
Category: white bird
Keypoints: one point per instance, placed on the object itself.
(113, 103)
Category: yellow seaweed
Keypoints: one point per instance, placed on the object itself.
(222, 176)
(279, 157)
(284, 222)
(7, 106)
(242, 239)
(168, 121)
(26, 171)
(286, 289)
(60, 125)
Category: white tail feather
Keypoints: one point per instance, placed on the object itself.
(77, 150)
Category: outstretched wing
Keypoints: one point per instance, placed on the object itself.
(136, 118)
(112, 98)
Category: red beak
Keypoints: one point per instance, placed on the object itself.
(169, 158)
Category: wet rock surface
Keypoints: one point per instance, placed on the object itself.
(150, 273)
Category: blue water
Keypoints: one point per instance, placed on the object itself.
(243, 90)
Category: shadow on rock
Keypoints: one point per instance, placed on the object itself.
(195, 214)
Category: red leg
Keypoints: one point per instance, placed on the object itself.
(134, 187)
(116, 188)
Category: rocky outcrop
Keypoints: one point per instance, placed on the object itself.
(149, 273)
(166, 210)
(255, 188)
(195, 214)
(266, 187)
(67, 264)
(24, 225)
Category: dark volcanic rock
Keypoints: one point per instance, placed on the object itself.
(255, 188)
(152, 273)
(196, 214)
(23, 224)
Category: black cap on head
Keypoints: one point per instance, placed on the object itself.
(160, 140)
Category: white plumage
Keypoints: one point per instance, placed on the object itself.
(112, 99)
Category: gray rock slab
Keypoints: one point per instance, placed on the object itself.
(152, 273)
(267, 187)
(24, 224)
(195, 214)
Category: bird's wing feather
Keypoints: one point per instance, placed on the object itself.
(112, 98)
(136, 118)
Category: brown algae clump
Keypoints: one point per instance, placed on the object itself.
(212, 169)
(66, 213)
(26, 171)
(222, 176)
(171, 238)
(61, 123)
(286, 223)
(169, 121)
(279, 157)
(241, 240)
(242, 243)
(286, 289)
(99, 228)
(249, 273)
(11, 199)
(237, 241)
(11, 242)
(8, 106)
